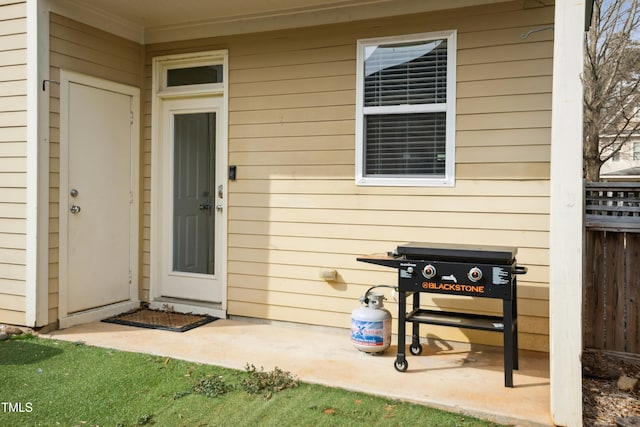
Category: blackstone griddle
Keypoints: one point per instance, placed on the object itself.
(455, 269)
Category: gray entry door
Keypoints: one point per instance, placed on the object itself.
(193, 192)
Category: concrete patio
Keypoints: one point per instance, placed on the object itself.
(456, 377)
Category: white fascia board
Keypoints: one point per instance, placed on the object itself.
(112, 21)
(321, 15)
(566, 219)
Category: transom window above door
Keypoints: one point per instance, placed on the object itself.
(191, 73)
(405, 118)
(187, 76)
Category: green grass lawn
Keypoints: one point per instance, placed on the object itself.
(55, 383)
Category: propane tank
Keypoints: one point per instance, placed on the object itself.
(371, 325)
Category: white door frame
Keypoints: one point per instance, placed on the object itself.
(182, 285)
(67, 319)
(160, 161)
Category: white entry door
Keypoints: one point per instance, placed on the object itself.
(193, 200)
(98, 218)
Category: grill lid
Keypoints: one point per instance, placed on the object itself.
(458, 252)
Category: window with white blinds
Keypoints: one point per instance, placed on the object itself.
(406, 110)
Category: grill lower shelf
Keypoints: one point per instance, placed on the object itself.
(460, 320)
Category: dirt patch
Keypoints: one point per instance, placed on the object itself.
(603, 402)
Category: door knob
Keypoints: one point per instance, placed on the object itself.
(75, 209)
(219, 208)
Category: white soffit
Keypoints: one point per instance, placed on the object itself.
(157, 21)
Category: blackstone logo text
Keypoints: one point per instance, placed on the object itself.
(16, 407)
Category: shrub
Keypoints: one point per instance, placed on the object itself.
(267, 383)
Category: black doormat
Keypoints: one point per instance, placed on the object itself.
(158, 319)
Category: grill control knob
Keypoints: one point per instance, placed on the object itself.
(475, 274)
(429, 271)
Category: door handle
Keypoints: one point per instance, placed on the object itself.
(219, 208)
(205, 206)
(75, 209)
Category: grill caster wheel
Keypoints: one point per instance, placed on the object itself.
(415, 349)
(401, 365)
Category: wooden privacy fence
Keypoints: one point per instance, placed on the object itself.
(612, 267)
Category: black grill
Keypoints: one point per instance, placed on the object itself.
(478, 271)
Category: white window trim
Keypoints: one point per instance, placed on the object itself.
(162, 65)
(450, 108)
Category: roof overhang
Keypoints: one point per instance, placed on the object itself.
(157, 21)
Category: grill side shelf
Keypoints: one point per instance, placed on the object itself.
(460, 320)
(384, 260)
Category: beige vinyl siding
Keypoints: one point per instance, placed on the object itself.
(80, 48)
(295, 210)
(13, 164)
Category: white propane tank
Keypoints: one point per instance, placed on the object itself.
(371, 325)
